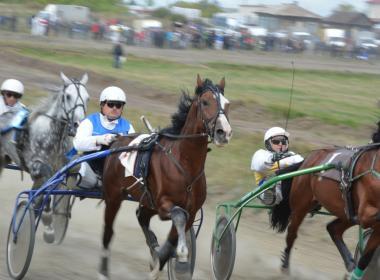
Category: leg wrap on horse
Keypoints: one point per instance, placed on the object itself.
(179, 217)
(357, 274)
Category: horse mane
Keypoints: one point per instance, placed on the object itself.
(178, 119)
(376, 134)
(45, 104)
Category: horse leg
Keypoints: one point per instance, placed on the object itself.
(296, 219)
(144, 215)
(112, 207)
(336, 228)
(364, 261)
(179, 217)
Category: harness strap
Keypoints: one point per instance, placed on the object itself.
(347, 179)
(189, 186)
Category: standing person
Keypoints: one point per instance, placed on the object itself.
(276, 156)
(117, 54)
(12, 91)
(97, 132)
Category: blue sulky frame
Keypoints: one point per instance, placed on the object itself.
(29, 198)
(232, 210)
(49, 188)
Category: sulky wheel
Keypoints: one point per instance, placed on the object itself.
(56, 229)
(174, 267)
(20, 245)
(223, 254)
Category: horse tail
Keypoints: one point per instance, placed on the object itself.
(280, 213)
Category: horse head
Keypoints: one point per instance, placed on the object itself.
(74, 99)
(213, 108)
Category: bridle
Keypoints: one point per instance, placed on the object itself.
(69, 112)
(210, 123)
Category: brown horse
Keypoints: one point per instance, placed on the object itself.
(309, 190)
(175, 187)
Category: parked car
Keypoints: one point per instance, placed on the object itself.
(367, 43)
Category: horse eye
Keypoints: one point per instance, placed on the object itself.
(68, 97)
(205, 103)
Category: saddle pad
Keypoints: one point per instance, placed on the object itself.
(128, 159)
(342, 157)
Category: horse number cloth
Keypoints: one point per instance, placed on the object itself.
(128, 159)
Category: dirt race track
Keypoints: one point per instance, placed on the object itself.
(258, 247)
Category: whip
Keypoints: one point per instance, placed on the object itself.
(291, 97)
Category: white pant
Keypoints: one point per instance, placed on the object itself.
(272, 196)
(88, 178)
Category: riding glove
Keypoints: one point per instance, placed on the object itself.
(105, 139)
(277, 156)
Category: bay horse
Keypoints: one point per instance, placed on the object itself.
(175, 187)
(309, 190)
(41, 145)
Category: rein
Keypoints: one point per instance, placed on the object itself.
(174, 136)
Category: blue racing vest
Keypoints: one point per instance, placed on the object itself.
(122, 127)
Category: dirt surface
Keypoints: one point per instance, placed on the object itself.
(258, 247)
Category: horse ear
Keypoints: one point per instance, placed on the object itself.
(222, 84)
(199, 81)
(66, 80)
(84, 79)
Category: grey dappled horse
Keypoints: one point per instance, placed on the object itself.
(41, 146)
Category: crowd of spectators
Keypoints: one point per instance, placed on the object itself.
(181, 36)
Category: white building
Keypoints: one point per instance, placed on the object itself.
(374, 10)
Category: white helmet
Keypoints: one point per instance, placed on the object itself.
(113, 94)
(275, 131)
(13, 85)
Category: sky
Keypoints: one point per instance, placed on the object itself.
(320, 7)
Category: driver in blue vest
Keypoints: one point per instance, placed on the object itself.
(98, 130)
(276, 156)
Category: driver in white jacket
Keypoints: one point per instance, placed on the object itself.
(276, 156)
(12, 91)
(97, 132)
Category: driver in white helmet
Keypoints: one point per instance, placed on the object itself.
(98, 130)
(12, 91)
(276, 156)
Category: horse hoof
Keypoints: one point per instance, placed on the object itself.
(46, 218)
(48, 235)
(154, 267)
(183, 271)
(102, 277)
(285, 270)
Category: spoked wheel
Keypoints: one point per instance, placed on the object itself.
(174, 272)
(358, 250)
(55, 230)
(20, 245)
(223, 254)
